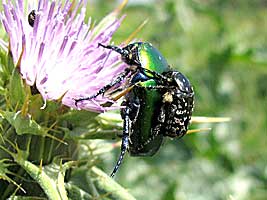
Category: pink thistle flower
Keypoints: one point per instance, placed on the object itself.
(60, 53)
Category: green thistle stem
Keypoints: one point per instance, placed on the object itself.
(43, 179)
(105, 183)
(41, 148)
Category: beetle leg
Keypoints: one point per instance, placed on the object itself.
(125, 138)
(118, 79)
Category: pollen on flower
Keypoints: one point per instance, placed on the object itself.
(60, 50)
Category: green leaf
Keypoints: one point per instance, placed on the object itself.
(108, 185)
(92, 133)
(79, 118)
(10, 63)
(170, 192)
(49, 186)
(75, 192)
(6, 65)
(17, 91)
(110, 119)
(23, 125)
(10, 72)
(87, 125)
(3, 64)
(50, 178)
(4, 173)
(25, 198)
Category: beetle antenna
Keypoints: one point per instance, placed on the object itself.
(114, 48)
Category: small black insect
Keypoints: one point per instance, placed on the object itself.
(31, 18)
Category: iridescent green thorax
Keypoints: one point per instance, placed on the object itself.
(150, 58)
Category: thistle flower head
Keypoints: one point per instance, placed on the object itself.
(59, 52)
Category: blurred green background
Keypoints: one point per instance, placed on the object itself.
(221, 46)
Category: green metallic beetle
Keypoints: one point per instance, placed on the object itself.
(159, 103)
